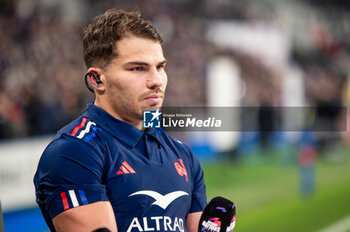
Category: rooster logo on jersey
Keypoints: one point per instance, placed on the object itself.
(181, 169)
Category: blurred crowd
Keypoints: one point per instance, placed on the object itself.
(40, 61)
(42, 69)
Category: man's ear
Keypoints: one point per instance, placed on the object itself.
(94, 78)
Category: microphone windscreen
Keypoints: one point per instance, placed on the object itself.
(218, 216)
(104, 229)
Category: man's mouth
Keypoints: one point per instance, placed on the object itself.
(154, 98)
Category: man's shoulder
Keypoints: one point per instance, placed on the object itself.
(80, 134)
(68, 128)
(81, 128)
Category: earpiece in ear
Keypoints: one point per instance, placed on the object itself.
(95, 76)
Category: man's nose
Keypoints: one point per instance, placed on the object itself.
(155, 79)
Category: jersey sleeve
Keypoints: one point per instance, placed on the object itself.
(70, 174)
(199, 197)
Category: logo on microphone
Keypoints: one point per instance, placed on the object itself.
(212, 225)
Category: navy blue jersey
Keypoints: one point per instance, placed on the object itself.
(151, 180)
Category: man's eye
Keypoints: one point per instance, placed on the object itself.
(137, 69)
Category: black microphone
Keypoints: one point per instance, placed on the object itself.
(218, 216)
(103, 229)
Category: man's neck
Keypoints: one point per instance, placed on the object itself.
(137, 123)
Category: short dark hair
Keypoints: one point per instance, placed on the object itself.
(100, 37)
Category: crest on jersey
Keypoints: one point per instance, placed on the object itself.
(181, 169)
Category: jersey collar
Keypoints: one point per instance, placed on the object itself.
(117, 128)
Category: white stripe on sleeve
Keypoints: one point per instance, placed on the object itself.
(73, 197)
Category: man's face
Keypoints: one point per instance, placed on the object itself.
(135, 79)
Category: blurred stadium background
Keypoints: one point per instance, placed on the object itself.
(275, 53)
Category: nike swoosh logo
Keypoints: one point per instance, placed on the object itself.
(161, 201)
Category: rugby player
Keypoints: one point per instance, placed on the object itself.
(104, 169)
